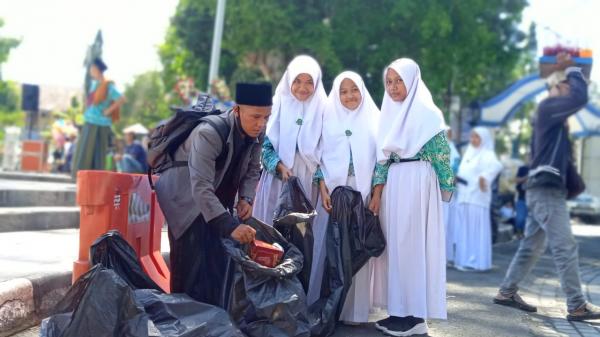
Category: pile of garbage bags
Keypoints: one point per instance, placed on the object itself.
(115, 298)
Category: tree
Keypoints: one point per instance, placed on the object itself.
(6, 44)
(10, 112)
(470, 48)
(259, 38)
(146, 101)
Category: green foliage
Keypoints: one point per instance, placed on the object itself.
(146, 102)
(471, 48)
(6, 44)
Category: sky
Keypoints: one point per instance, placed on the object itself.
(55, 35)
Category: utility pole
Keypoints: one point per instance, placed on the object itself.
(213, 71)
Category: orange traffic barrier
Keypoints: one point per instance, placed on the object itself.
(124, 202)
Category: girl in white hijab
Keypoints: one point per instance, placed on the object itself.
(290, 147)
(348, 159)
(477, 172)
(414, 164)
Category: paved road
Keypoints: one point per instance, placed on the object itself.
(471, 312)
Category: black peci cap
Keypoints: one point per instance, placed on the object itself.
(255, 94)
(100, 64)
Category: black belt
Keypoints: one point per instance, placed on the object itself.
(406, 160)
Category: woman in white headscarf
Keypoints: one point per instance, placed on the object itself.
(291, 147)
(348, 159)
(414, 164)
(478, 170)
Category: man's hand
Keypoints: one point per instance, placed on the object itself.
(243, 234)
(564, 61)
(285, 172)
(482, 184)
(244, 209)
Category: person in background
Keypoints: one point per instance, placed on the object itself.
(133, 159)
(479, 168)
(548, 222)
(520, 204)
(507, 213)
(103, 105)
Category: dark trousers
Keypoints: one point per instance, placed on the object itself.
(198, 263)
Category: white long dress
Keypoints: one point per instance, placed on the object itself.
(474, 237)
(269, 188)
(410, 276)
(473, 232)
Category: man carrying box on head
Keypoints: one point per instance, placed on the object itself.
(552, 179)
(198, 200)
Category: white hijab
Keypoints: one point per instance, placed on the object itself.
(362, 123)
(478, 162)
(405, 127)
(282, 130)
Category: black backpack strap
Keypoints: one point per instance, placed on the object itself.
(220, 125)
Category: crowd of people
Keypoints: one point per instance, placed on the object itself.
(400, 159)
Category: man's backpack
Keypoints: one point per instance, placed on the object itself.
(169, 135)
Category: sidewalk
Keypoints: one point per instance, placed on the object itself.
(24, 254)
(470, 308)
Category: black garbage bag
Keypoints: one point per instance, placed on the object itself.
(354, 235)
(266, 301)
(374, 241)
(293, 219)
(113, 252)
(99, 304)
(180, 315)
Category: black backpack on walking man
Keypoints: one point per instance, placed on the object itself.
(169, 135)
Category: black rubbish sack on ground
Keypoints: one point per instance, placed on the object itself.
(113, 299)
(113, 252)
(180, 315)
(99, 304)
(266, 301)
(293, 219)
(354, 235)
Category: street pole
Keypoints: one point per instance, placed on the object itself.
(213, 71)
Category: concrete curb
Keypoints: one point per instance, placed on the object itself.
(25, 302)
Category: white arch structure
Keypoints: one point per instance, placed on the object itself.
(500, 109)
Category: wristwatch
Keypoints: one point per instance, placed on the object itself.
(248, 200)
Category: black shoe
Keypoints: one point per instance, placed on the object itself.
(586, 312)
(514, 301)
(381, 324)
(407, 326)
